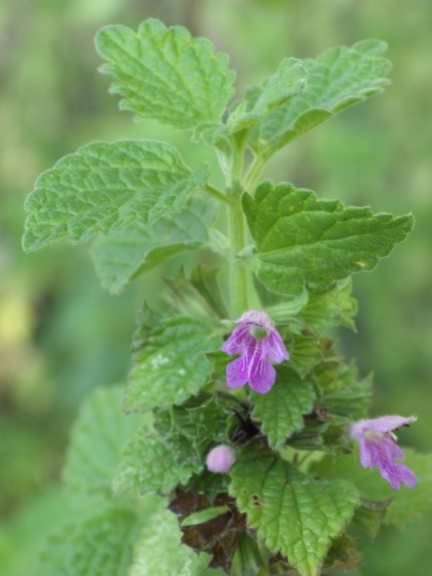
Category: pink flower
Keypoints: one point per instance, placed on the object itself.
(259, 346)
(220, 459)
(378, 448)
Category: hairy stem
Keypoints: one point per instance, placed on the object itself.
(238, 278)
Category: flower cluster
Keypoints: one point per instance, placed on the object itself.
(259, 346)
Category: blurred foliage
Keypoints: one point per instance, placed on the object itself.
(60, 335)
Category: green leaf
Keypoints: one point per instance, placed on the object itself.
(155, 463)
(107, 185)
(159, 551)
(281, 411)
(164, 74)
(305, 352)
(295, 515)
(163, 455)
(101, 544)
(172, 365)
(302, 94)
(204, 516)
(98, 437)
(351, 403)
(407, 505)
(306, 242)
(336, 307)
(127, 251)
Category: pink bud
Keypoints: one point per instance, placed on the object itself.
(220, 459)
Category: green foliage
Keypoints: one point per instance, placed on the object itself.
(125, 252)
(295, 515)
(280, 412)
(166, 454)
(204, 516)
(172, 365)
(165, 74)
(98, 437)
(159, 551)
(136, 201)
(305, 242)
(126, 192)
(302, 94)
(113, 529)
(336, 307)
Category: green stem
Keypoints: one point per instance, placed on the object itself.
(217, 194)
(254, 173)
(238, 278)
(239, 275)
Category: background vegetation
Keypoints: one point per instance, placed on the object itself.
(60, 335)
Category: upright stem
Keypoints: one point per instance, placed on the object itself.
(238, 278)
(238, 275)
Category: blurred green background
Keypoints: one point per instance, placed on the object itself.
(60, 335)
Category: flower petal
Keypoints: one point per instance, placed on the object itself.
(262, 377)
(382, 425)
(365, 454)
(237, 373)
(277, 352)
(235, 343)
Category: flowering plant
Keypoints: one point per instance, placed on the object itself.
(232, 447)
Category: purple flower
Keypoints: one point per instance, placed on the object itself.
(378, 448)
(260, 346)
(220, 459)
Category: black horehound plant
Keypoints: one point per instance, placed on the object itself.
(233, 447)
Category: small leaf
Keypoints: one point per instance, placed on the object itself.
(336, 307)
(127, 251)
(161, 456)
(98, 438)
(204, 516)
(295, 515)
(305, 352)
(105, 185)
(164, 74)
(303, 93)
(350, 403)
(281, 411)
(172, 366)
(306, 242)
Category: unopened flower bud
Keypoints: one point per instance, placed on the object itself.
(220, 459)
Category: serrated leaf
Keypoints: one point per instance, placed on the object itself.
(164, 74)
(159, 551)
(295, 515)
(303, 93)
(127, 251)
(407, 505)
(155, 463)
(167, 453)
(99, 435)
(306, 242)
(336, 307)
(350, 403)
(305, 352)
(172, 366)
(280, 412)
(107, 185)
